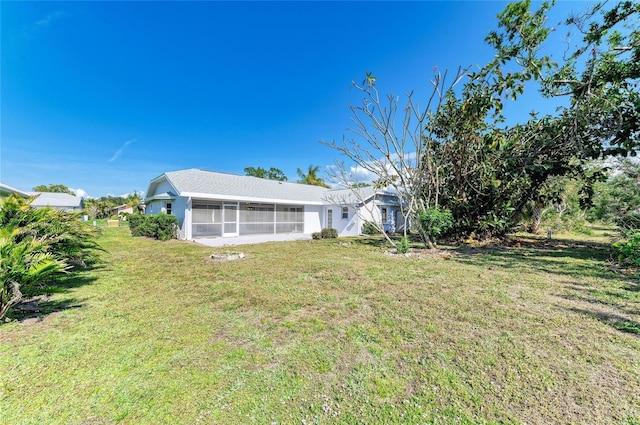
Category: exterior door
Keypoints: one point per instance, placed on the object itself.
(230, 220)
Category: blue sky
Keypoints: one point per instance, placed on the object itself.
(105, 96)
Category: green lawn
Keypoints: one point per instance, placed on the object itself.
(331, 332)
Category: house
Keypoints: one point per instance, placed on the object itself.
(125, 209)
(212, 204)
(6, 191)
(59, 201)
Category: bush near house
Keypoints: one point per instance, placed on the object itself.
(326, 233)
(329, 233)
(370, 228)
(159, 226)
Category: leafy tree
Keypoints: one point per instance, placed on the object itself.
(311, 176)
(271, 174)
(619, 195)
(492, 172)
(56, 188)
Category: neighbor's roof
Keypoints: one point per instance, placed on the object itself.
(8, 189)
(209, 184)
(56, 200)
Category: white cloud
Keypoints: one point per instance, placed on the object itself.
(122, 148)
(81, 193)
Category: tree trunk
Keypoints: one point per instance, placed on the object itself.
(536, 218)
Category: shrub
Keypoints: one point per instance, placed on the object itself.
(329, 233)
(403, 246)
(435, 222)
(159, 226)
(370, 228)
(316, 235)
(629, 250)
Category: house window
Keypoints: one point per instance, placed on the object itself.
(329, 218)
(345, 213)
(168, 208)
(384, 215)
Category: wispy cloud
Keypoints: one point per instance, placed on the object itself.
(122, 148)
(42, 24)
(51, 17)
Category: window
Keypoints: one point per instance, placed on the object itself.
(330, 218)
(345, 213)
(384, 215)
(168, 207)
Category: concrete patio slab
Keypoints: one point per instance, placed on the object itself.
(251, 239)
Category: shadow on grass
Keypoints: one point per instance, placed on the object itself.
(615, 321)
(37, 304)
(572, 258)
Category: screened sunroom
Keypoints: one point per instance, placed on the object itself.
(244, 218)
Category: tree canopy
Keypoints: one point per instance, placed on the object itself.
(55, 188)
(271, 174)
(311, 176)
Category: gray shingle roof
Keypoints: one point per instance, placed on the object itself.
(194, 182)
(8, 190)
(55, 200)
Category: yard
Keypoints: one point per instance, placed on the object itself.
(331, 331)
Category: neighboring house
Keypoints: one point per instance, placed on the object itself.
(6, 191)
(121, 209)
(210, 204)
(59, 201)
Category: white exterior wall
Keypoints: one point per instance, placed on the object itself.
(351, 226)
(313, 216)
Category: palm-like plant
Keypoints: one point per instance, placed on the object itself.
(311, 176)
(36, 244)
(23, 264)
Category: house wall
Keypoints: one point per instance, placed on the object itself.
(313, 218)
(179, 209)
(349, 226)
(164, 187)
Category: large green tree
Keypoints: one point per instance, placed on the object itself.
(56, 188)
(491, 171)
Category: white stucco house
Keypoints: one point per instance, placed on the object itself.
(212, 204)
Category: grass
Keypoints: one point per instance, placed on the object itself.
(331, 332)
